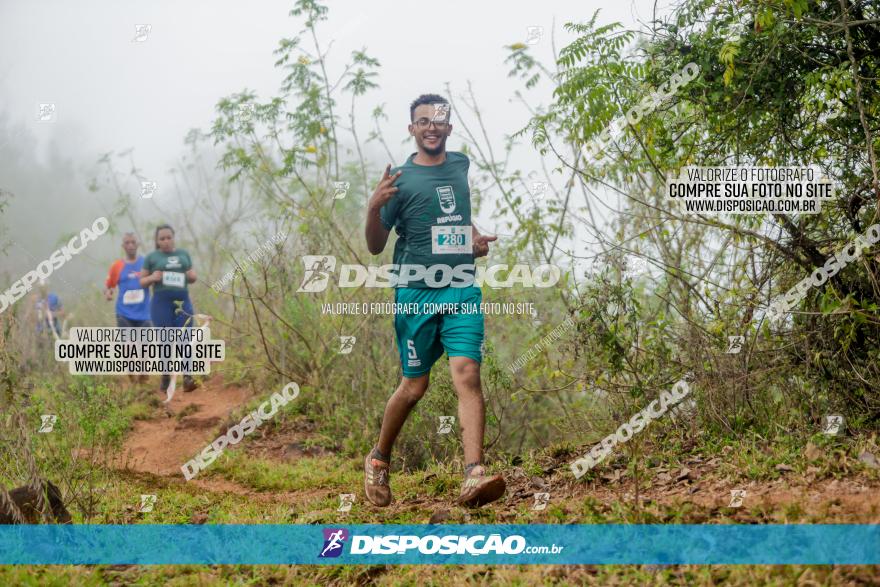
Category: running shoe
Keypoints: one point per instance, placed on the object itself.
(478, 489)
(376, 475)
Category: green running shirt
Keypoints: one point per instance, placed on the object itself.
(173, 266)
(432, 214)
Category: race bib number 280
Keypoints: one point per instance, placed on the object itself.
(173, 279)
(451, 240)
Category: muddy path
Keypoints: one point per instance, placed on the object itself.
(161, 445)
(699, 486)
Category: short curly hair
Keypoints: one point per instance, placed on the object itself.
(425, 99)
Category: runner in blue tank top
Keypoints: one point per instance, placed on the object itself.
(133, 302)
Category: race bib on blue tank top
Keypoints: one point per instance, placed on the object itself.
(133, 301)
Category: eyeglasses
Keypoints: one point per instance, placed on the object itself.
(426, 122)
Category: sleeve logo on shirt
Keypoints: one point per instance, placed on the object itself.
(447, 198)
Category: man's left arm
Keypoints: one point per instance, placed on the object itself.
(481, 242)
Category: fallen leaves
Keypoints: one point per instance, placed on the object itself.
(684, 474)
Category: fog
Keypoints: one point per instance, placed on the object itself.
(114, 90)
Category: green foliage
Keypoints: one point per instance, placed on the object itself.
(92, 420)
(776, 87)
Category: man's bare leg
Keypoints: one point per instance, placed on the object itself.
(478, 488)
(397, 410)
(377, 464)
(471, 407)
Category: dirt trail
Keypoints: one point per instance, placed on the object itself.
(701, 487)
(161, 446)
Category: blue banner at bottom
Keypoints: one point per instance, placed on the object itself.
(665, 544)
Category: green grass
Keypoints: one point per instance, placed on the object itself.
(320, 481)
(187, 411)
(437, 575)
(307, 491)
(330, 473)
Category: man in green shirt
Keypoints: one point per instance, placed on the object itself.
(427, 201)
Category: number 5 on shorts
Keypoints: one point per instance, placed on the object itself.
(412, 357)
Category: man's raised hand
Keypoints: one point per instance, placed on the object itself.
(386, 189)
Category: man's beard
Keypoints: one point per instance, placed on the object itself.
(439, 149)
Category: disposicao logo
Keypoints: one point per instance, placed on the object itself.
(319, 268)
(334, 540)
(443, 545)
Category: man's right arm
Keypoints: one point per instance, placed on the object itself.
(377, 236)
(375, 232)
(112, 279)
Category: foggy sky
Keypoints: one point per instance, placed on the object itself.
(112, 93)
